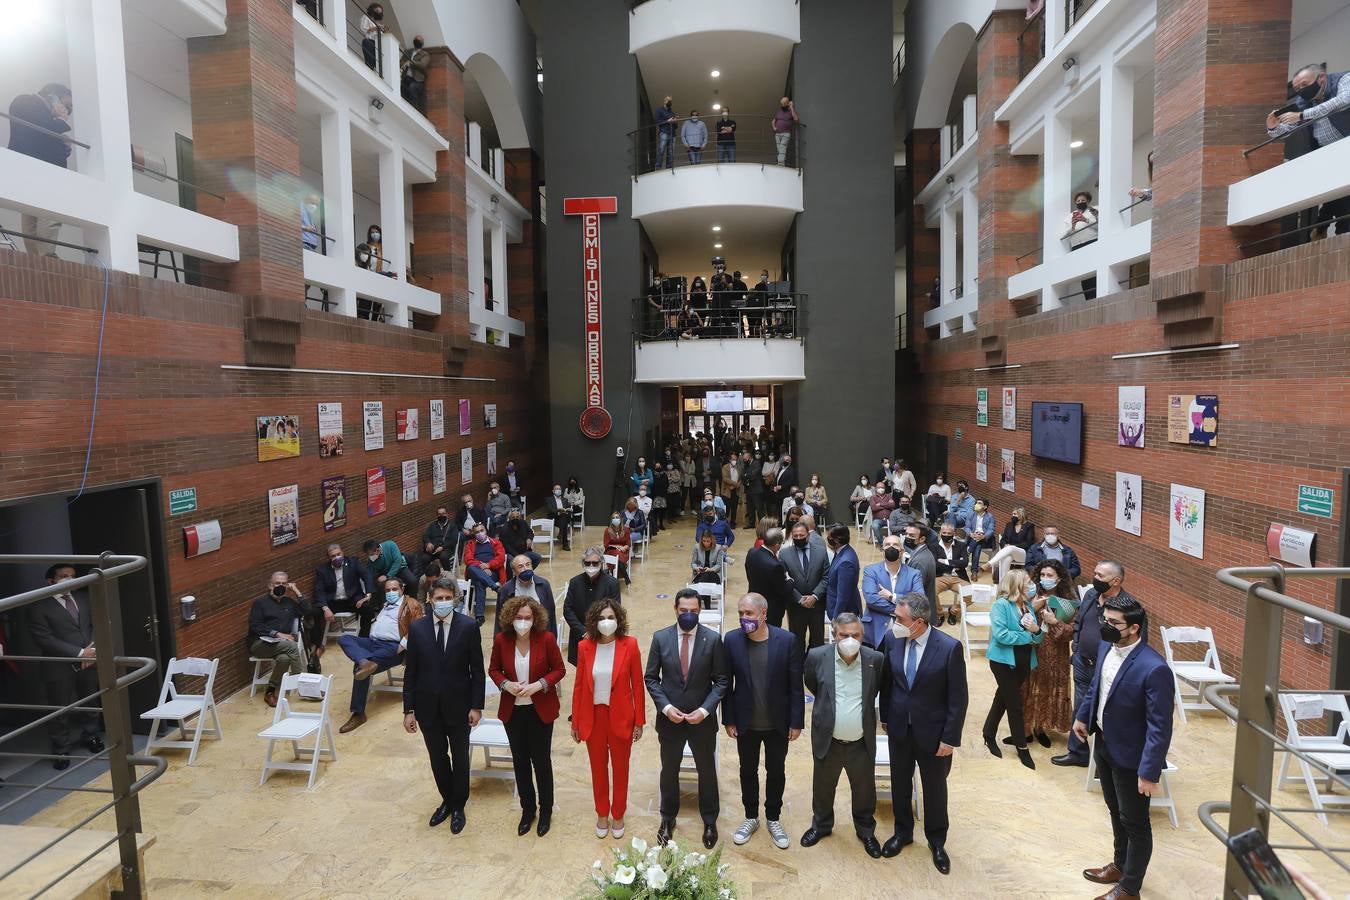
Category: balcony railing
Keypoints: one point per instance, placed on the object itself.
(898, 64)
(753, 142)
(1031, 44)
(1075, 10)
(749, 316)
(1306, 194)
(372, 51)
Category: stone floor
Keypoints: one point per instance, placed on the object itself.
(362, 831)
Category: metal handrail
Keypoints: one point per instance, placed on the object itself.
(165, 176)
(782, 317)
(755, 144)
(13, 232)
(1325, 223)
(102, 586)
(1146, 198)
(60, 137)
(898, 64)
(1037, 21)
(354, 31)
(1278, 138)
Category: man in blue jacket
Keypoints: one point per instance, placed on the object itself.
(1051, 548)
(721, 530)
(841, 581)
(1129, 707)
(882, 584)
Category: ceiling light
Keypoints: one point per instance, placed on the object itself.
(717, 246)
(716, 73)
(1074, 145)
(540, 77)
(716, 107)
(717, 228)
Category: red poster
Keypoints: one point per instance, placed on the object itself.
(375, 500)
(595, 419)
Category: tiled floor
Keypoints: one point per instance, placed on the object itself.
(363, 830)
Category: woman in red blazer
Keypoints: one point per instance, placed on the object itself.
(608, 708)
(526, 666)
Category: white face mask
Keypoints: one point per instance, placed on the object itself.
(1052, 539)
(899, 631)
(522, 625)
(592, 571)
(848, 647)
(607, 626)
(557, 493)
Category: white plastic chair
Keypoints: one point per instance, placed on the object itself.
(490, 735)
(263, 675)
(862, 518)
(543, 535)
(1194, 673)
(883, 776)
(980, 595)
(579, 518)
(713, 593)
(294, 727)
(638, 541)
(1331, 751)
(559, 604)
(176, 707)
(1163, 799)
(343, 623)
(612, 565)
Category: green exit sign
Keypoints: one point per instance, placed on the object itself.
(1315, 501)
(183, 500)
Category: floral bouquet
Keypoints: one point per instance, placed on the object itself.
(664, 872)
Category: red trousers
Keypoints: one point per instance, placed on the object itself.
(605, 751)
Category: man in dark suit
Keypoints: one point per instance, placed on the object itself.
(844, 677)
(841, 581)
(440, 541)
(919, 555)
(687, 677)
(765, 707)
(923, 706)
(341, 585)
(949, 553)
(49, 109)
(527, 583)
(784, 481)
(62, 626)
(560, 511)
(1129, 707)
(443, 687)
(766, 575)
(806, 564)
(592, 584)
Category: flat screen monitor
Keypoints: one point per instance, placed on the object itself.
(724, 402)
(1057, 431)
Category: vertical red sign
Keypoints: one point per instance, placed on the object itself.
(595, 419)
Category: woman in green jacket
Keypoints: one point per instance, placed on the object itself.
(1014, 632)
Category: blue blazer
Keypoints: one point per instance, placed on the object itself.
(841, 584)
(1138, 710)
(877, 613)
(985, 522)
(721, 532)
(934, 706)
(787, 707)
(441, 686)
(962, 511)
(1006, 632)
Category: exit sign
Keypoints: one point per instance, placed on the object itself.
(1315, 501)
(183, 500)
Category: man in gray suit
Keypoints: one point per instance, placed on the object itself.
(807, 564)
(62, 626)
(844, 678)
(918, 555)
(687, 678)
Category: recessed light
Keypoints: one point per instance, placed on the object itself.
(717, 228)
(717, 246)
(716, 107)
(1074, 145)
(716, 73)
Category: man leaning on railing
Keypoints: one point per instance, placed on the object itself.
(1322, 100)
(49, 110)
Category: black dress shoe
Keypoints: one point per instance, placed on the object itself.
(941, 861)
(993, 747)
(542, 828)
(894, 845)
(457, 821)
(440, 815)
(709, 836)
(1069, 759)
(1043, 739)
(871, 846)
(61, 763)
(95, 744)
(526, 820)
(664, 832)
(480, 620)
(1009, 742)
(1025, 756)
(812, 837)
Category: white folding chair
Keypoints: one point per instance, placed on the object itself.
(293, 727)
(176, 707)
(711, 618)
(638, 542)
(464, 584)
(861, 518)
(1006, 560)
(612, 565)
(1330, 751)
(579, 518)
(883, 777)
(559, 604)
(543, 535)
(981, 595)
(1195, 674)
(490, 735)
(712, 592)
(262, 665)
(1163, 799)
(343, 623)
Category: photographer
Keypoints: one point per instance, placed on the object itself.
(273, 631)
(1080, 229)
(1322, 100)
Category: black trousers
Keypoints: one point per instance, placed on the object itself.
(448, 749)
(1130, 826)
(733, 501)
(860, 764)
(317, 627)
(807, 625)
(73, 727)
(702, 740)
(1008, 695)
(531, 741)
(776, 613)
(775, 744)
(1082, 680)
(933, 772)
(754, 508)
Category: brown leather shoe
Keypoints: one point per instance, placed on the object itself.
(270, 696)
(355, 722)
(365, 670)
(1117, 894)
(1107, 874)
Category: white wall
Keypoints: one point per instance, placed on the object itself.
(1328, 41)
(156, 116)
(661, 20)
(714, 361)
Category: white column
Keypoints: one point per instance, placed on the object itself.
(968, 119)
(335, 135)
(499, 165)
(944, 145)
(98, 85)
(474, 139)
(947, 274)
(392, 226)
(335, 20)
(1054, 25)
(1057, 178)
(1116, 120)
(970, 255)
(475, 253)
(499, 290)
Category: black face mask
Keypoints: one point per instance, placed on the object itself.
(905, 507)
(1082, 205)
(1101, 587)
(417, 44)
(710, 519)
(1110, 633)
(892, 554)
(800, 544)
(1310, 92)
(442, 519)
(910, 543)
(278, 590)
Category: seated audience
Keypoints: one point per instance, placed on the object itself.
(517, 537)
(485, 569)
(949, 553)
(707, 559)
(498, 505)
(341, 584)
(619, 542)
(860, 499)
(817, 499)
(882, 504)
(386, 561)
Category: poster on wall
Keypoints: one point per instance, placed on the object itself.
(1008, 477)
(283, 514)
(438, 473)
(1186, 521)
(409, 481)
(278, 437)
(330, 429)
(375, 499)
(1037, 487)
(407, 424)
(1290, 544)
(492, 459)
(981, 461)
(1092, 496)
(489, 415)
(465, 465)
(372, 415)
(1129, 502)
(1193, 419)
(333, 491)
(464, 424)
(1010, 408)
(982, 406)
(1130, 416)
(437, 419)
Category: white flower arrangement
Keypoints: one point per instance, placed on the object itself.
(644, 872)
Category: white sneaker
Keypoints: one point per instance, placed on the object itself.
(780, 837)
(748, 827)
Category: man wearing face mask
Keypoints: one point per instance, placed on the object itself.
(764, 707)
(498, 507)
(962, 507)
(923, 705)
(784, 124)
(665, 134)
(694, 136)
(786, 479)
(560, 511)
(513, 484)
(841, 581)
(443, 688)
(880, 505)
(1107, 583)
(796, 497)
(716, 503)
(48, 109)
(527, 583)
(766, 575)
(902, 515)
(1323, 100)
(583, 591)
(468, 516)
(883, 583)
(419, 62)
(383, 649)
(440, 540)
(949, 554)
(1051, 547)
(62, 626)
(385, 560)
(485, 569)
(720, 528)
(806, 564)
(726, 137)
(917, 553)
(686, 676)
(272, 632)
(982, 532)
(844, 678)
(732, 471)
(1129, 706)
(341, 584)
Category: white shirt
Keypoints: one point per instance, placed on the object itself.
(943, 489)
(526, 589)
(644, 503)
(523, 675)
(920, 644)
(1111, 663)
(602, 672)
(946, 550)
(385, 626)
(339, 585)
